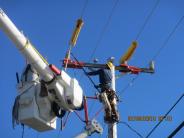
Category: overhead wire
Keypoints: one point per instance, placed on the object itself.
(154, 128)
(154, 58)
(176, 130)
(81, 16)
(80, 118)
(130, 83)
(157, 53)
(136, 38)
(103, 32)
(147, 19)
(104, 29)
(84, 8)
(168, 38)
(86, 73)
(131, 128)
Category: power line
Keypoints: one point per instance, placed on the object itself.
(128, 85)
(102, 32)
(168, 38)
(137, 37)
(86, 73)
(157, 53)
(147, 19)
(154, 128)
(154, 58)
(84, 8)
(132, 129)
(176, 130)
(104, 29)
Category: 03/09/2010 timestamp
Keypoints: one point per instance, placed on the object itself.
(149, 118)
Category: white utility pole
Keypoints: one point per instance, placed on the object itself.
(112, 127)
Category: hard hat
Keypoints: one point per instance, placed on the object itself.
(95, 60)
(111, 59)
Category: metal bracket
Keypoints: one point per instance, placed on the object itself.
(93, 126)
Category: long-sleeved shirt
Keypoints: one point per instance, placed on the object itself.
(104, 75)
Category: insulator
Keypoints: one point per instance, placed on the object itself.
(76, 32)
(129, 53)
(152, 65)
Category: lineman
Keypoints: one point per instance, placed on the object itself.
(107, 94)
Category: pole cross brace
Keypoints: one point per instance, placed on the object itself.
(123, 68)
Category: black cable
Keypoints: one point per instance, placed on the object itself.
(147, 19)
(176, 130)
(154, 128)
(132, 129)
(86, 73)
(17, 77)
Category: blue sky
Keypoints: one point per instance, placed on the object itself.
(49, 25)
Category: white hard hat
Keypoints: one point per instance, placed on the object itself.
(95, 60)
(111, 59)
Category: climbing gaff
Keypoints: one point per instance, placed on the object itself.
(129, 53)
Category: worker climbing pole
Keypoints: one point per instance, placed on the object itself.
(107, 94)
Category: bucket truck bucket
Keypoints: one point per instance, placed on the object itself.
(30, 108)
(35, 111)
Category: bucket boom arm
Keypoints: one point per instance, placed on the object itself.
(66, 91)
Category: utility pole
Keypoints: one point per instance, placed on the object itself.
(112, 127)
